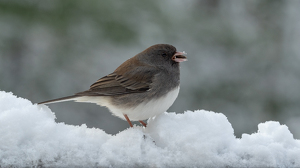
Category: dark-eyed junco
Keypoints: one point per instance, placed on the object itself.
(142, 87)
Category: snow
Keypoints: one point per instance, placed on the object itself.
(29, 136)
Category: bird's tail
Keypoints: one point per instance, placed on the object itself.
(62, 99)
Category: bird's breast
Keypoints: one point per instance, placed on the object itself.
(147, 108)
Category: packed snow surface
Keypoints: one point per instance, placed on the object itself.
(29, 136)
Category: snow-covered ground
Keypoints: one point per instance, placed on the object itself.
(29, 136)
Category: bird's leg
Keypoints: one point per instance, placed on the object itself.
(125, 115)
(142, 122)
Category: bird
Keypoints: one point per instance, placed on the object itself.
(140, 88)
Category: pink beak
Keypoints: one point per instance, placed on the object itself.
(179, 57)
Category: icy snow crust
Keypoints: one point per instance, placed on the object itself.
(29, 136)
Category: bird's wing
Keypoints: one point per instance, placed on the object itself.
(117, 83)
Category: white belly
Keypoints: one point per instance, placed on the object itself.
(143, 111)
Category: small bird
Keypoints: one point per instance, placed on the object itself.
(142, 87)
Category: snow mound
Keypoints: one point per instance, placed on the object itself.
(29, 136)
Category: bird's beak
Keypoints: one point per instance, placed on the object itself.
(179, 56)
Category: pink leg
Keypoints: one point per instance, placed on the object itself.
(128, 120)
(142, 122)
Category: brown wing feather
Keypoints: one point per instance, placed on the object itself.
(132, 83)
(114, 84)
(136, 79)
(107, 81)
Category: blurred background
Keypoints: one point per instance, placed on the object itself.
(243, 55)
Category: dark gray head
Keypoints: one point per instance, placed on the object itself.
(161, 55)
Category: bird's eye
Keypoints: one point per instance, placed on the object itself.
(164, 54)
